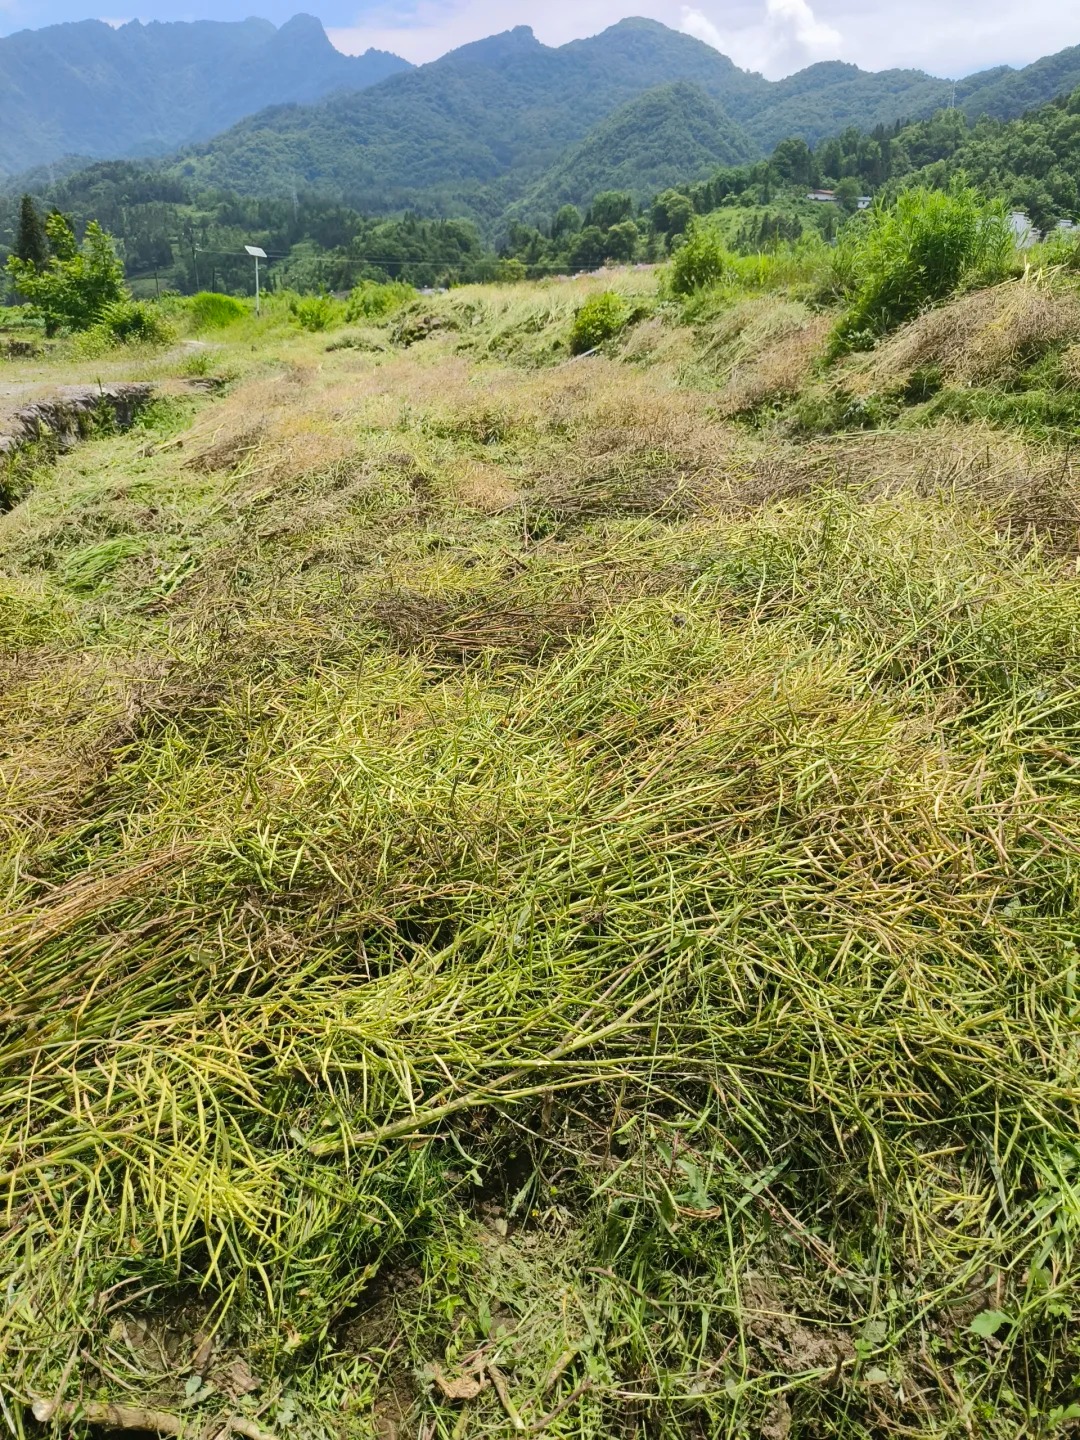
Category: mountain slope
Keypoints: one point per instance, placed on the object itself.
(475, 129)
(826, 98)
(667, 136)
(1004, 94)
(141, 89)
(500, 110)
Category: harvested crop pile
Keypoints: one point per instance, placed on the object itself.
(466, 981)
(989, 335)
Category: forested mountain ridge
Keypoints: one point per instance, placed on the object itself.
(467, 133)
(474, 132)
(174, 234)
(670, 134)
(106, 92)
(1004, 94)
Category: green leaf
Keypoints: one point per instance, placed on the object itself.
(989, 1323)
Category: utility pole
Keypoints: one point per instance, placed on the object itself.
(257, 255)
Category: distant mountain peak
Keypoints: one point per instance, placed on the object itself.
(519, 41)
(143, 89)
(302, 24)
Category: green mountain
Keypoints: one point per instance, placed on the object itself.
(508, 119)
(100, 91)
(667, 136)
(826, 98)
(1005, 94)
(1033, 162)
(469, 132)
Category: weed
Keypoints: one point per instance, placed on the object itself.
(211, 311)
(599, 320)
(528, 905)
(315, 312)
(700, 262)
(372, 301)
(919, 251)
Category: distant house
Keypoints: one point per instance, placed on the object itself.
(1023, 230)
(828, 197)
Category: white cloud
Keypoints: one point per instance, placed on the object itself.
(701, 27)
(783, 36)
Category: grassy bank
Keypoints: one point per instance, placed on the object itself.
(532, 904)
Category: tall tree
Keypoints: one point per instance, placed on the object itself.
(31, 245)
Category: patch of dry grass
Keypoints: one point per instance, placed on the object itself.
(991, 335)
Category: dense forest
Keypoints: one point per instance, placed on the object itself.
(175, 237)
(507, 120)
(176, 234)
(1033, 163)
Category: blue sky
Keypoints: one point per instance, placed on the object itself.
(946, 37)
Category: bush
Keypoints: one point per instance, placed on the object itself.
(211, 311)
(315, 312)
(125, 322)
(919, 251)
(372, 301)
(598, 320)
(699, 263)
(136, 322)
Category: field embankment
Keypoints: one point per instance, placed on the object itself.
(535, 905)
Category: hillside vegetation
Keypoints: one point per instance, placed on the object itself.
(175, 235)
(98, 90)
(667, 136)
(473, 131)
(541, 892)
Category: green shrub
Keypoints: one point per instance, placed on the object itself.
(372, 301)
(211, 311)
(597, 321)
(699, 263)
(1060, 248)
(918, 251)
(71, 289)
(136, 322)
(315, 312)
(125, 322)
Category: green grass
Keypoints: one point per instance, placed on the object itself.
(503, 881)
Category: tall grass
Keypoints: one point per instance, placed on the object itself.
(919, 250)
(211, 311)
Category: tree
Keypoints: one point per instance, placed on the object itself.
(31, 245)
(622, 241)
(793, 161)
(566, 223)
(610, 207)
(587, 251)
(74, 287)
(672, 213)
(847, 194)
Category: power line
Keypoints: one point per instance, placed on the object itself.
(554, 266)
